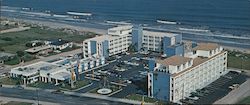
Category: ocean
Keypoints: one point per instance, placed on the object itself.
(219, 16)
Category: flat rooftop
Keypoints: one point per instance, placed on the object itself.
(197, 61)
(33, 68)
(160, 34)
(206, 46)
(100, 38)
(174, 60)
(121, 28)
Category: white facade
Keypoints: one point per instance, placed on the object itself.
(119, 39)
(63, 46)
(153, 40)
(42, 71)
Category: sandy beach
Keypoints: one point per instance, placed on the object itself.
(57, 25)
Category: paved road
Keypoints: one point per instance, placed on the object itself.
(236, 95)
(54, 98)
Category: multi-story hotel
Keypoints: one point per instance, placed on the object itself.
(174, 78)
(122, 38)
(117, 41)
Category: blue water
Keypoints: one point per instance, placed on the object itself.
(230, 16)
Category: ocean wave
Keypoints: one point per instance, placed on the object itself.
(36, 13)
(79, 13)
(60, 16)
(167, 22)
(118, 22)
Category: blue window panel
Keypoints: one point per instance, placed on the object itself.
(105, 46)
(151, 64)
(93, 47)
(137, 37)
(161, 86)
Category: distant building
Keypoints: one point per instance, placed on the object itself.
(124, 38)
(5, 56)
(174, 78)
(59, 44)
(44, 49)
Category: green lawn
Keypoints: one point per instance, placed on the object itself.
(15, 41)
(245, 101)
(238, 60)
(42, 85)
(16, 59)
(139, 98)
(146, 99)
(78, 84)
(9, 81)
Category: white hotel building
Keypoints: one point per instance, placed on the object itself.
(119, 39)
(174, 78)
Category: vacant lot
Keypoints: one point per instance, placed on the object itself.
(245, 101)
(238, 60)
(15, 41)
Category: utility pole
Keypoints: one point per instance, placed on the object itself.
(37, 97)
(142, 102)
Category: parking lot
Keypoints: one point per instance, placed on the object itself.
(217, 89)
(125, 69)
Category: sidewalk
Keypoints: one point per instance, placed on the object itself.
(8, 99)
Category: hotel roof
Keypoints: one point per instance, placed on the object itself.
(121, 28)
(174, 60)
(197, 61)
(153, 33)
(100, 38)
(206, 46)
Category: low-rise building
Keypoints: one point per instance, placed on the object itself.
(59, 44)
(40, 71)
(57, 71)
(174, 78)
(44, 49)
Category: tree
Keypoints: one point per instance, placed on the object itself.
(20, 53)
(1, 49)
(28, 45)
(6, 39)
(39, 43)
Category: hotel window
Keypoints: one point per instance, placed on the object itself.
(178, 68)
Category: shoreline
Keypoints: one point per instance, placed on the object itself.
(57, 25)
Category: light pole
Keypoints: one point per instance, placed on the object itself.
(37, 97)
